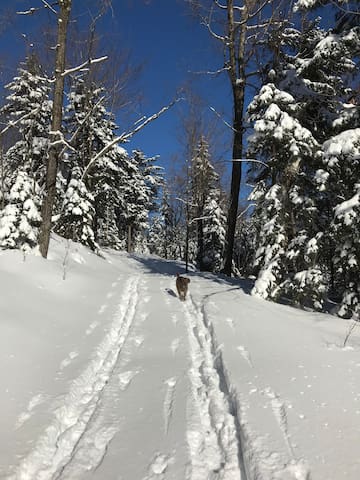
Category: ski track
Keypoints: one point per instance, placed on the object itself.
(55, 448)
(212, 434)
(168, 402)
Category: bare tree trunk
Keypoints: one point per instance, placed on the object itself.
(54, 149)
(238, 83)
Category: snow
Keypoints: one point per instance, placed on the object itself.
(107, 375)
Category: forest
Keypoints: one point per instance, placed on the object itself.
(293, 72)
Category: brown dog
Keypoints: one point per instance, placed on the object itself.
(182, 286)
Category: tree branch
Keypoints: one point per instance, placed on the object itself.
(124, 137)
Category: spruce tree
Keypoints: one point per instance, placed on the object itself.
(28, 106)
(20, 219)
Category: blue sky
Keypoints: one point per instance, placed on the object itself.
(161, 35)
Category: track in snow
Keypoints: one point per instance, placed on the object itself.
(57, 445)
(213, 436)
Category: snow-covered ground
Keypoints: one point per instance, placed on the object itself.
(105, 374)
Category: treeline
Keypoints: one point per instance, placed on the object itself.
(296, 125)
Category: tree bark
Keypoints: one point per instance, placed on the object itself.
(57, 113)
(238, 82)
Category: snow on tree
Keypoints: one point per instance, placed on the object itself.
(166, 236)
(214, 232)
(77, 216)
(307, 95)
(20, 219)
(205, 209)
(90, 127)
(270, 254)
(285, 210)
(342, 160)
(28, 107)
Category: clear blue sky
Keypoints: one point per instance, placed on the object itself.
(160, 34)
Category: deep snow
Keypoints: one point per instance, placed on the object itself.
(107, 375)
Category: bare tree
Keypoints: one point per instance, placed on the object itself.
(55, 139)
(240, 27)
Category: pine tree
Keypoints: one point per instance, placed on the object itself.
(205, 209)
(90, 127)
(312, 71)
(285, 208)
(20, 219)
(77, 215)
(342, 159)
(28, 106)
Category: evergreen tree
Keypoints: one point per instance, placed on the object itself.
(90, 128)
(28, 105)
(77, 215)
(205, 209)
(305, 99)
(20, 219)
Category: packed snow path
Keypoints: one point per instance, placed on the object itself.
(116, 378)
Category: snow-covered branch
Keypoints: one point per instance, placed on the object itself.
(89, 62)
(222, 119)
(124, 137)
(47, 5)
(78, 130)
(251, 160)
(31, 11)
(216, 72)
(246, 209)
(14, 123)
(59, 140)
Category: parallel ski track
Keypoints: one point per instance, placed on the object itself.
(56, 446)
(215, 450)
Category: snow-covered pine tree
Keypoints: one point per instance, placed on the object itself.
(214, 232)
(28, 105)
(20, 219)
(335, 61)
(342, 159)
(90, 127)
(313, 67)
(285, 211)
(136, 202)
(205, 209)
(166, 236)
(77, 216)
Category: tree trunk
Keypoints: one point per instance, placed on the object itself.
(237, 79)
(54, 149)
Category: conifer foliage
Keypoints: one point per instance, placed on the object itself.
(306, 195)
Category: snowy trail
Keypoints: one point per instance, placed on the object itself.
(139, 428)
(56, 446)
(213, 439)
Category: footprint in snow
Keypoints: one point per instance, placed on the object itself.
(66, 362)
(245, 354)
(157, 467)
(33, 403)
(175, 345)
(102, 309)
(91, 327)
(125, 378)
(139, 340)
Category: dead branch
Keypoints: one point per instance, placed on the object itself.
(124, 137)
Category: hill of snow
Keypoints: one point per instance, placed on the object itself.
(107, 375)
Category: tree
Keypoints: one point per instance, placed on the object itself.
(206, 212)
(28, 110)
(56, 127)
(242, 32)
(296, 115)
(20, 219)
(77, 216)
